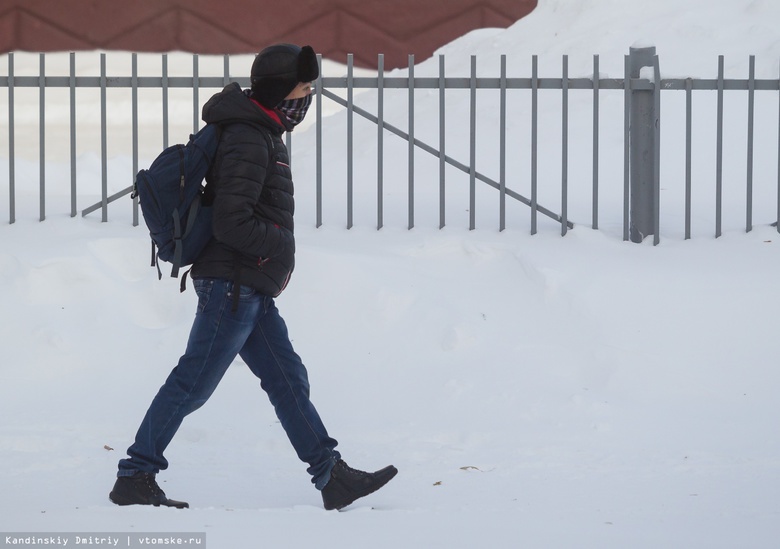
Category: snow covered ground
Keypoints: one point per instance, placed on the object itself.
(534, 391)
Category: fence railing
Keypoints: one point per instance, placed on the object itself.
(641, 158)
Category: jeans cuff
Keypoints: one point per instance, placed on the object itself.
(324, 478)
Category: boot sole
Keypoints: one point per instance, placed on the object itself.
(119, 500)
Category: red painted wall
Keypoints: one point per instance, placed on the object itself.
(334, 28)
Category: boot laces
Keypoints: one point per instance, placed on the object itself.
(351, 471)
(151, 484)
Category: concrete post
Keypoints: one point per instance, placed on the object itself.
(643, 142)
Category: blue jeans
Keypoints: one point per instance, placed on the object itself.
(257, 333)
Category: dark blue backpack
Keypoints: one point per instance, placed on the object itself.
(170, 193)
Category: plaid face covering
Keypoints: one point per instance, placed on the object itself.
(295, 109)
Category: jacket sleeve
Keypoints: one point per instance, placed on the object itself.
(243, 160)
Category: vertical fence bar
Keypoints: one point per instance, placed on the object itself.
(657, 153)
(350, 143)
(442, 139)
(11, 144)
(502, 147)
(626, 147)
(719, 153)
(411, 141)
(777, 221)
(596, 82)
(103, 140)
(380, 134)
(564, 145)
(72, 85)
(195, 93)
(42, 134)
(751, 111)
(225, 70)
(165, 99)
(134, 100)
(473, 144)
(350, 126)
(534, 137)
(688, 153)
(318, 169)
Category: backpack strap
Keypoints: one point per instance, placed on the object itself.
(179, 235)
(178, 246)
(183, 283)
(191, 217)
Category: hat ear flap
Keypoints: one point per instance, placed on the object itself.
(308, 68)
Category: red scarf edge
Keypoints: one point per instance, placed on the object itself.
(270, 112)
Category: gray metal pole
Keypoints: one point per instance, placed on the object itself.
(502, 147)
(195, 94)
(103, 139)
(42, 133)
(318, 157)
(72, 82)
(442, 142)
(595, 199)
(165, 99)
(565, 145)
(380, 141)
(350, 143)
(12, 146)
(644, 118)
(411, 142)
(473, 145)
(134, 100)
(534, 139)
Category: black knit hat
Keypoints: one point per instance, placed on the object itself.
(278, 69)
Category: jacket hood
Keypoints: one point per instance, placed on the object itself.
(232, 104)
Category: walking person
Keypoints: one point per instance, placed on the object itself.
(247, 264)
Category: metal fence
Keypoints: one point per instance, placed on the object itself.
(641, 177)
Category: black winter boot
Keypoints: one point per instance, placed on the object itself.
(347, 484)
(141, 489)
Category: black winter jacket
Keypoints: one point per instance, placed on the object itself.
(251, 187)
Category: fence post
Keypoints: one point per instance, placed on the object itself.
(643, 154)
